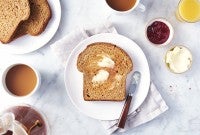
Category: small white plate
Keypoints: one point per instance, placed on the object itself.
(106, 110)
(27, 43)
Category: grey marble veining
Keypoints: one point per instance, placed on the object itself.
(180, 91)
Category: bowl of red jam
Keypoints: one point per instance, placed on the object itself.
(159, 32)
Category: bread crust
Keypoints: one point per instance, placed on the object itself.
(12, 13)
(114, 88)
(38, 20)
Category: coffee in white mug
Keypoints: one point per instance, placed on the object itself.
(121, 5)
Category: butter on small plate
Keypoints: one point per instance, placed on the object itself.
(178, 59)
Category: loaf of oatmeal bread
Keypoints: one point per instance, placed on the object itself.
(12, 13)
(38, 20)
(105, 67)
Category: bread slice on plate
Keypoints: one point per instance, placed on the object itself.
(38, 20)
(12, 13)
(105, 67)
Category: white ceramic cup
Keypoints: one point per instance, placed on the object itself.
(38, 77)
(136, 6)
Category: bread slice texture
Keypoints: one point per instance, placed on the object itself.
(38, 20)
(105, 67)
(12, 13)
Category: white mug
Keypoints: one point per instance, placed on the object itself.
(136, 6)
(3, 80)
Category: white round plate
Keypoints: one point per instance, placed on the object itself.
(27, 43)
(106, 110)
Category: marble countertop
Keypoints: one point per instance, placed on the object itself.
(180, 91)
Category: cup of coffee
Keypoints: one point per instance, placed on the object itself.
(125, 6)
(20, 80)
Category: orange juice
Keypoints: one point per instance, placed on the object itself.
(189, 10)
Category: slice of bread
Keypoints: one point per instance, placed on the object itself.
(105, 67)
(12, 13)
(38, 20)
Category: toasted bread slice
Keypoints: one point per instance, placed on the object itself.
(38, 20)
(105, 67)
(12, 13)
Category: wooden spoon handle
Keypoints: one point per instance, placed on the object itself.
(124, 114)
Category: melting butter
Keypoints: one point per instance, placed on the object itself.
(106, 62)
(100, 77)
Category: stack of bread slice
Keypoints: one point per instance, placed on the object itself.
(105, 67)
(20, 17)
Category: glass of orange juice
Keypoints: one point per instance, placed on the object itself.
(188, 11)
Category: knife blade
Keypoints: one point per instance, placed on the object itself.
(132, 88)
(134, 82)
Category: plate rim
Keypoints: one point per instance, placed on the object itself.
(59, 11)
(72, 52)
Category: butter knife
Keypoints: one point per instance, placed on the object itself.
(133, 86)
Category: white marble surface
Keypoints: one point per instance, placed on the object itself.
(181, 91)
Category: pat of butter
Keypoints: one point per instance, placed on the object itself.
(179, 59)
(118, 77)
(117, 81)
(106, 62)
(100, 77)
